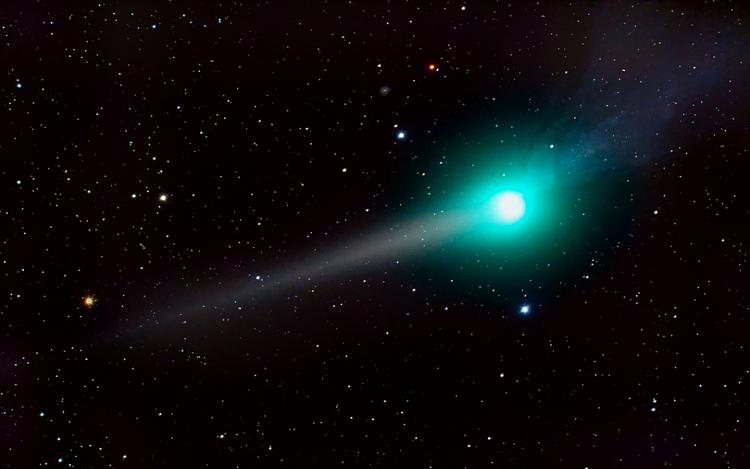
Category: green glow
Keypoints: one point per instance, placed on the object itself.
(512, 211)
(572, 209)
(509, 206)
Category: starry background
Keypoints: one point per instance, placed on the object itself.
(154, 149)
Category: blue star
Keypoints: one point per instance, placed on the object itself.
(400, 135)
(525, 309)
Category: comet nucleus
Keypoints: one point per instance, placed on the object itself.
(509, 206)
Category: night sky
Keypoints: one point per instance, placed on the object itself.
(386, 234)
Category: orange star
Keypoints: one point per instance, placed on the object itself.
(89, 301)
(432, 67)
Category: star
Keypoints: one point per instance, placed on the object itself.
(400, 135)
(89, 301)
(525, 309)
(163, 198)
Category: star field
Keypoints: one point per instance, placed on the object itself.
(374, 234)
